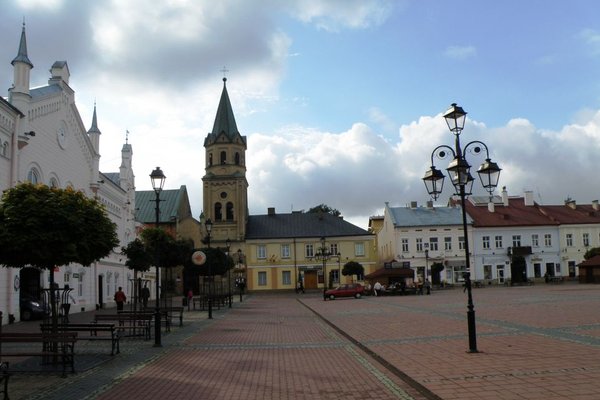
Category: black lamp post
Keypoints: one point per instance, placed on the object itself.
(459, 173)
(426, 245)
(323, 254)
(228, 245)
(208, 225)
(158, 182)
(339, 257)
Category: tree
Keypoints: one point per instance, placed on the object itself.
(138, 260)
(324, 208)
(353, 268)
(594, 251)
(45, 227)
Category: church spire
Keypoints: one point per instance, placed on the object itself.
(225, 120)
(22, 54)
(94, 127)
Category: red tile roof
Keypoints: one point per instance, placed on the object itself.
(515, 214)
(582, 214)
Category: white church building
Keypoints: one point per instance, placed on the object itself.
(44, 140)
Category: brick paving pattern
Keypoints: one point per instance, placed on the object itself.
(540, 342)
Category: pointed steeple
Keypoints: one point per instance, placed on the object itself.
(22, 54)
(94, 127)
(225, 120)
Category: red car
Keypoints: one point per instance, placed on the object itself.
(348, 290)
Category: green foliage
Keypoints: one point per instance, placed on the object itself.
(324, 208)
(138, 258)
(594, 251)
(46, 227)
(164, 250)
(437, 267)
(353, 268)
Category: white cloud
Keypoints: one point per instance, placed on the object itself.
(460, 52)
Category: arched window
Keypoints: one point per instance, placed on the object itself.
(53, 183)
(229, 212)
(5, 149)
(218, 214)
(33, 176)
(223, 157)
(237, 158)
(210, 159)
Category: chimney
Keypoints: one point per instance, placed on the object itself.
(571, 204)
(504, 196)
(429, 203)
(528, 198)
(271, 211)
(413, 204)
(491, 207)
(595, 205)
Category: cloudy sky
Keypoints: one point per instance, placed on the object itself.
(341, 100)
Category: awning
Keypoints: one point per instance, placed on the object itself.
(391, 273)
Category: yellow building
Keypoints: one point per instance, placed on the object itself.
(272, 251)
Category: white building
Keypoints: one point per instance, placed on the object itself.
(44, 140)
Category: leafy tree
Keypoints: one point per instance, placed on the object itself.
(45, 227)
(594, 251)
(324, 208)
(353, 268)
(138, 260)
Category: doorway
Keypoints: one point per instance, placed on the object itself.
(100, 291)
(500, 274)
(310, 280)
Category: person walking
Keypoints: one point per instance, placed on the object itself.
(145, 295)
(120, 298)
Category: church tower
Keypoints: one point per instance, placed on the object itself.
(225, 188)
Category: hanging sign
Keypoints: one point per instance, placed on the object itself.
(199, 258)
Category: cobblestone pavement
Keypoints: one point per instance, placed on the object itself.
(540, 342)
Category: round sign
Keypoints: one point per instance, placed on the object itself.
(198, 258)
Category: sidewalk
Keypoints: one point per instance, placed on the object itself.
(540, 342)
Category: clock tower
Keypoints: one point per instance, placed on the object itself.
(225, 188)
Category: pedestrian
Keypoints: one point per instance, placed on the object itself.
(428, 286)
(377, 288)
(66, 303)
(120, 299)
(301, 287)
(145, 295)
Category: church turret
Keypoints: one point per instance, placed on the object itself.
(225, 194)
(19, 93)
(94, 132)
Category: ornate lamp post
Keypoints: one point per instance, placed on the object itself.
(208, 225)
(158, 182)
(459, 173)
(240, 283)
(323, 254)
(228, 245)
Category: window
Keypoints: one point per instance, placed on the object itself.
(285, 251)
(334, 276)
(237, 158)
(447, 243)
(286, 277)
(586, 239)
(547, 240)
(485, 242)
(405, 245)
(262, 278)
(359, 249)
(53, 183)
(33, 176)
(569, 240)
(516, 240)
(229, 211)
(499, 243)
(461, 242)
(535, 240)
(487, 272)
(433, 244)
(223, 157)
(218, 215)
(309, 251)
(261, 251)
(333, 248)
(419, 244)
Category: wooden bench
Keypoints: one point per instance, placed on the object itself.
(108, 332)
(164, 313)
(133, 323)
(175, 310)
(55, 346)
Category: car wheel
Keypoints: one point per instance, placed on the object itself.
(357, 295)
(331, 297)
(25, 315)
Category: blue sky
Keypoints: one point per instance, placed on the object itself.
(341, 100)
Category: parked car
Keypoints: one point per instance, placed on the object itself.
(348, 290)
(32, 308)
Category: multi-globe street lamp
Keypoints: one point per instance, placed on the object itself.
(228, 245)
(158, 182)
(208, 225)
(324, 254)
(459, 173)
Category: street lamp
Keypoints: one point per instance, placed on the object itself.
(158, 182)
(459, 173)
(323, 254)
(228, 245)
(426, 245)
(339, 257)
(241, 282)
(208, 225)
